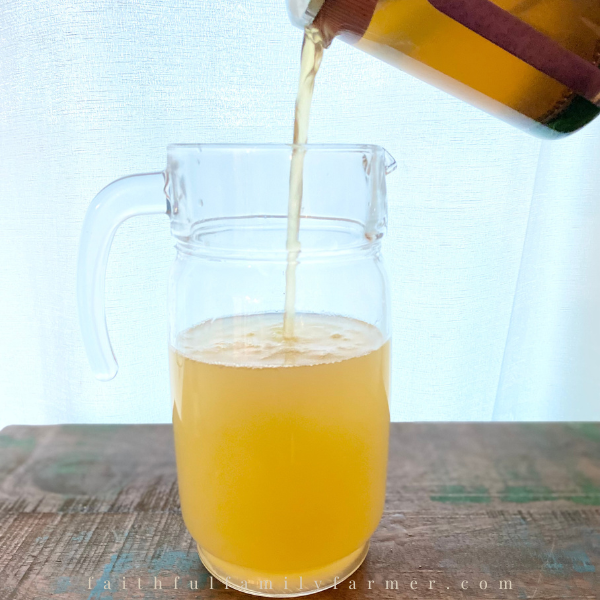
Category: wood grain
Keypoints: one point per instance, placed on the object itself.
(465, 502)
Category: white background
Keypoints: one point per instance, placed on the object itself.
(495, 313)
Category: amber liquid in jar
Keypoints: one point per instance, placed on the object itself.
(281, 447)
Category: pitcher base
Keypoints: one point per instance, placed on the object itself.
(278, 585)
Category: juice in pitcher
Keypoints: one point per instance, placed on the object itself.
(281, 446)
(281, 433)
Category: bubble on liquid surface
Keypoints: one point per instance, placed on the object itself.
(258, 340)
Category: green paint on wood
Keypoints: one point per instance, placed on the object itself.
(82, 537)
(552, 562)
(576, 560)
(178, 562)
(580, 561)
(522, 494)
(590, 492)
(7, 441)
(80, 464)
(69, 467)
(62, 585)
(98, 590)
(458, 494)
(591, 431)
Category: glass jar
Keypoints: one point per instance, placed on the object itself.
(281, 441)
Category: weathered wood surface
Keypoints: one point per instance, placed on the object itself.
(466, 502)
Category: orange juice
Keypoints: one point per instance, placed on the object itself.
(281, 446)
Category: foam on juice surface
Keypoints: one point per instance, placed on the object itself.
(258, 340)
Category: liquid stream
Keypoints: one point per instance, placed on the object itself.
(312, 53)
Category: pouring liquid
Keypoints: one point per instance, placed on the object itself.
(281, 429)
(312, 53)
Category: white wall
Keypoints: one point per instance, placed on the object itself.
(93, 90)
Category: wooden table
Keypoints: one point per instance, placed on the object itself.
(468, 506)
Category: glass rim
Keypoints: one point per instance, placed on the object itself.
(375, 150)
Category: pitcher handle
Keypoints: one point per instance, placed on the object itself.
(127, 197)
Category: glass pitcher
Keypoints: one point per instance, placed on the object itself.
(533, 63)
(281, 442)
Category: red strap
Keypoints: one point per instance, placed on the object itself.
(523, 41)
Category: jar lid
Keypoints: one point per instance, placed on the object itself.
(303, 12)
